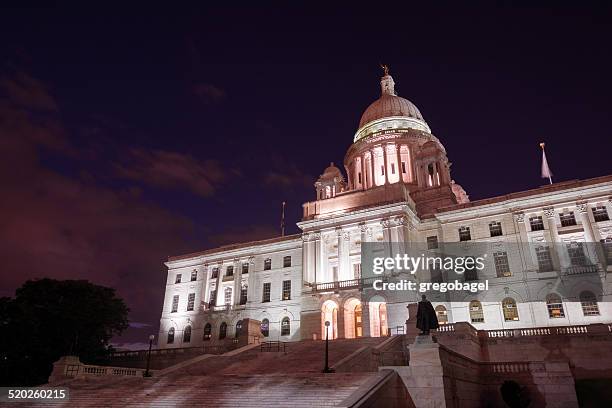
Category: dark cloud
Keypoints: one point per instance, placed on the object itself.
(246, 233)
(209, 93)
(27, 92)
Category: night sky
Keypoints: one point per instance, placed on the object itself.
(129, 135)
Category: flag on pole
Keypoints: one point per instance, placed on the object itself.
(546, 173)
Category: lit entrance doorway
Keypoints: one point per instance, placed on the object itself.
(329, 313)
(353, 318)
(378, 317)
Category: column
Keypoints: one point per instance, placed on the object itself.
(341, 251)
(306, 272)
(363, 172)
(523, 242)
(399, 162)
(372, 177)
(384, 153)
(555, 246)
(251, 280)
(237, 280)
(219, 299)
(365, 318)
(318, 277)
(589, 237)
(386, 225)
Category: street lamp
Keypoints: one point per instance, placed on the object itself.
(326, 369)
(151, 338)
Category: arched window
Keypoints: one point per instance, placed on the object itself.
(285, 327)
(170, 336)
(476, 313)
(265, 327)
(222, 331)
(588, 301)
(207, 332)
(238, 328)
(187, 334)
(554, 306)
(510, 310)
(442, 314)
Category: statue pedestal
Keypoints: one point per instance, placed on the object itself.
(424, 351)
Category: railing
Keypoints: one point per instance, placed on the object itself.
(447, 327)
(397, 329)
(275, 346)
(580, 269)
(82, 370)
(141, 355)
(347, 284)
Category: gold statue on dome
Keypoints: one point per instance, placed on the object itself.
(385, 68)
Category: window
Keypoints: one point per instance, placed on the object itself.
(286, 261)
(510, 310)
(215, 273)
(227, 296)
(600, 213)
(536, 223)
(464, 234)
(495, 229)
(243, 294)
(222, 331)
(567, 219)
(194, 275)
(382, 170)
(187, 334)
(357, 271)
(606, 245)
(471, 273)
(267, 264)
(476, 313)
(265, 327)
(266, 292)
(190, 301)
(238, 328)
(359, 177)
(436, 274)
(229, 271)
(207, 332)
(544, 260)
(441, 314)
(175, 301)
(404, 167)
(245, 267)
(554, 306)
(432, 242)
(285, 327)
(588, 301)
(287, 290)
(212, 300)
(178, 278)
(392, 168)
(576, 254)
(170, 336)
(501, 264)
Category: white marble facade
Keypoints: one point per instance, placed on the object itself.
(405, 195)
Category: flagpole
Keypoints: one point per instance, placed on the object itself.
(283, 221)
(545, 163)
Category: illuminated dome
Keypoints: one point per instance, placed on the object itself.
(390, 112)
(331, 173)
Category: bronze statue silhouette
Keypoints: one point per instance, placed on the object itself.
(426, 316)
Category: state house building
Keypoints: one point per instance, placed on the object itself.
(398, 188)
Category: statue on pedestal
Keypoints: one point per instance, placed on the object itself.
(426, 316)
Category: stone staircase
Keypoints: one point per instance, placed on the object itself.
(243, 378)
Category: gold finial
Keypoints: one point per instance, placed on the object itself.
(385, 68)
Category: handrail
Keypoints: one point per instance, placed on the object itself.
(275, 346)
(346, 284)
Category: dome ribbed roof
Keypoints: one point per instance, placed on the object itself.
(389, 105)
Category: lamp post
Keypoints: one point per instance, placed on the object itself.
(151, 338)
(326, 369)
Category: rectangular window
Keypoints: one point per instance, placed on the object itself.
(178, 278)
(359, 177)
(245, 267)
(382, 170)
(175, 301)
(600, 213)
(286, 261)
(194, 276)
(576, 254)
(501, 264)
(544, 259)
(495, 229)
(392, 168)
(404, 167)
(215, 273)
(190, 301)
(606, 245)
(266, 292)
(432, 242)
(287, 290)
(229, 271)
(464, 234)
(357, 271)
(212, 300)
(567, 219)
(227, 296)
(267, 264)
(536, 223)
(471, 273)
(243, 295)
